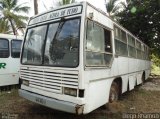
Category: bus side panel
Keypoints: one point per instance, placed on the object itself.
(141, 65)
(132, 72)
(101, 18)
(9, 79)
(131, 65)
(148, 71)
(114, 67)
(97, 94)
(122, 65)
(9, 75)
(139, 77)
(15, 64)
(132, 81)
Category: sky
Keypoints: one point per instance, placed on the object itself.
(44, 5)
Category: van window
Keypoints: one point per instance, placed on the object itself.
(16, 48)
(4, 48)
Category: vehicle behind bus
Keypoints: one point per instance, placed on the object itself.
(76, 59)
(10, 48)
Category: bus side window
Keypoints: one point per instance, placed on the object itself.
(120, 42)
(108, 45)
(16, 48)
(4, 48)
(98, 45)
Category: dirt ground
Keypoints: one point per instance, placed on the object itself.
(143, 99)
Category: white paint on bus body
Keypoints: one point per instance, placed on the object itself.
(95, 81)
(57, 14)
(9, 66)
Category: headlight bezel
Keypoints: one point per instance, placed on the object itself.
(25, 82)
(70, 91)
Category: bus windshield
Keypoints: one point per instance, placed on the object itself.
(57, 46)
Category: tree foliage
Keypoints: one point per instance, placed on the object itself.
(113, 7)
(11, 13)
(155, 64)
(4, 27)
(142, 18)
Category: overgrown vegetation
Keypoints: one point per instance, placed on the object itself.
(135, 101)
(142, 18)
(155, 64)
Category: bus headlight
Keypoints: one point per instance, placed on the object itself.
(25, 82)
(70, 91)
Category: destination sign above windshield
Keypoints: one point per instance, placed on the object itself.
(57, 14)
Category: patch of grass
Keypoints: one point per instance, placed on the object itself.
(135, 101)
(11, 102)
(142, 101)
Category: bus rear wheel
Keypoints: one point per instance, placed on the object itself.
(143, 78)
(114, 92)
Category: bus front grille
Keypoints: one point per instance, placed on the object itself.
(49, 79)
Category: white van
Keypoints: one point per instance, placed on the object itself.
(10, 48)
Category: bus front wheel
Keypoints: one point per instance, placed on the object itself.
(114, 93)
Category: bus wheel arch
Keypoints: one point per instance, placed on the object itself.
(115, 90)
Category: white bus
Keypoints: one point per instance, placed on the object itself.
(76, 59)
(10, 47)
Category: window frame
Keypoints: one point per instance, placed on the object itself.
(45, 40)
(8, 47)
(100, 52)
(25, 42)
(12, 48)
(79, 33)
(131, 45)
(138, 49)
(119, 39)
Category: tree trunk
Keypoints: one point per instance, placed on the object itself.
(13, 28)
(35, 7)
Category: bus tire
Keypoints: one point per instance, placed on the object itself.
(113, 96)
(143, 78)
(114, 93)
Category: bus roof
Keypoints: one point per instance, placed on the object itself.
(9, 36)
(99, 10)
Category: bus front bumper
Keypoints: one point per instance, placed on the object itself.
(52, 103)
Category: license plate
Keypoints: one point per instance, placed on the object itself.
(40, 100)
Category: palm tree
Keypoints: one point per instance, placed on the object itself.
(11, 10)
(4, 27)
(112, 7)
(64, 2)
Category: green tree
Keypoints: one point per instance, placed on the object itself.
(11, 12)
(64, 2)
(142, 18)
(155, 64)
